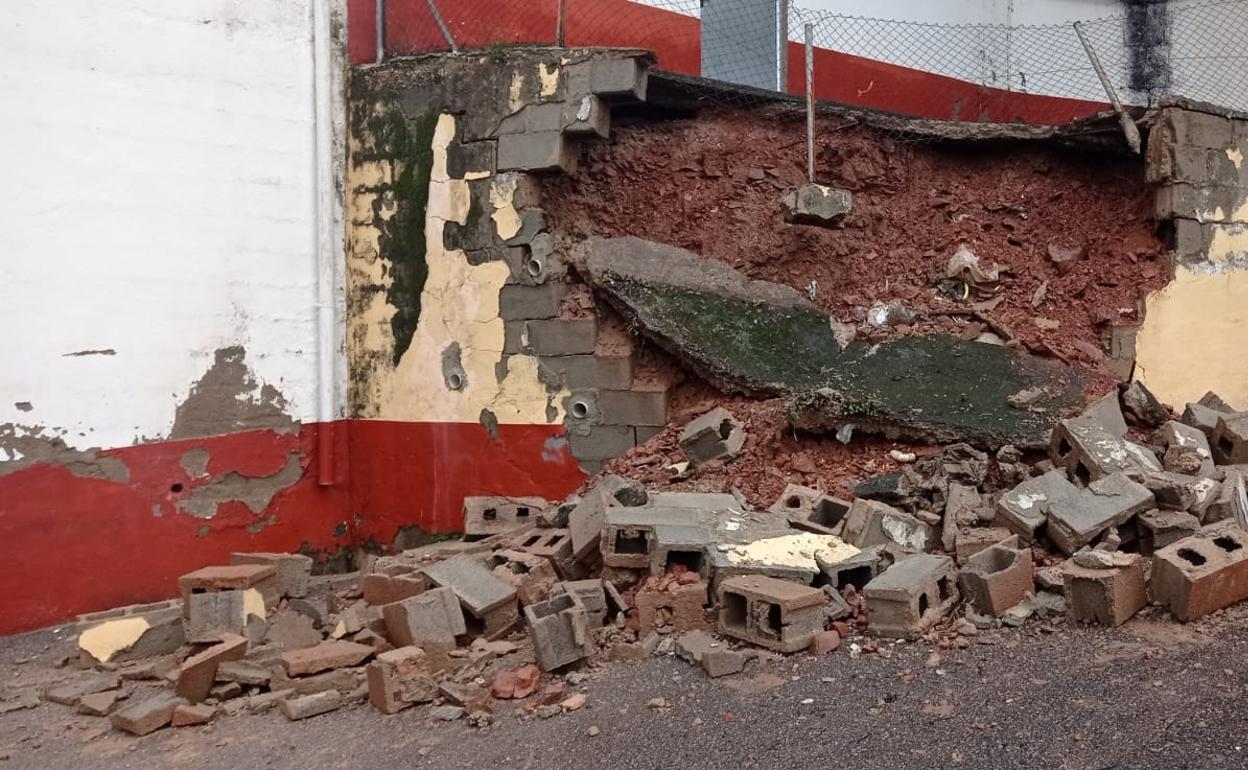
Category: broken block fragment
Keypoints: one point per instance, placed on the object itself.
(714, 656)
(1202, 573)
(1158, 529)
(554, 545)
(1181, 492)
(910, 596)
(399, 678)
(1076, 521)
(997, 578)
(771, 613)
(559, 629)
(239, 577)
(870, 522)
(132, 638)
(198, 672)
(593, 596)
(1108, 596)
(484, 516)
(208, 615)
(716, 435)
(147, 715)
(1187, 449)
(586, 519)
(1022, 509)
(856, 570)
(533, 577)
(816, 204)
(434, 617)
(1230, 436)
(294, 570)
(324, 657)
(1089, 452)
(674, 609)
(490, 602)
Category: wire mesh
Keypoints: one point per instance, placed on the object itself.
(1036, 74)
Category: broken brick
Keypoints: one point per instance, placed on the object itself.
(675, 609)
(310, 705)
(186, 714)
(325, 656)
(198, 672)
(148, 715)
(399, 678)
(293, 570)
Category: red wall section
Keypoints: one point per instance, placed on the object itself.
(74, 545)
(675, 39)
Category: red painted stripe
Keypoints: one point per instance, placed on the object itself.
(675, 39)
(75, 545)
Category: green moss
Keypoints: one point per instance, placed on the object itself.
(408, 143)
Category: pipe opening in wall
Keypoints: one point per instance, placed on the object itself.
(579, 409)
(175, 488)
(534, 266)
(454, 381)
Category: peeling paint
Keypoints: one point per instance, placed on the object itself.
(256, 492)
(228, 398)
(195, 462)
(506, 218)
(23, 446)
(548, 74)
(107, 639)
(1236, 156)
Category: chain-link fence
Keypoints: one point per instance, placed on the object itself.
(972, 72)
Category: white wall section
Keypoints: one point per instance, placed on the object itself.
(159, 202)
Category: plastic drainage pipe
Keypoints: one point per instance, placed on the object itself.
(323, 223)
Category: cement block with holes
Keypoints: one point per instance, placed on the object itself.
(484, 516)
(554, 545)
(795, 499)
(771, 613)
(629, 539)
(716, 435)
(489, 601)
(294, 570)
(1089, 452)
(1076, 521)
(559, 628)
(533, 577)
(911, 596)
(1187, 449)
(1109, 596)
(972, 540)
(1202, 573)
(678, 608)
(633, 407)
(870, 522)
(1230, 436)
(824, 517)
(434, 616)
(586, 520)
(856, 571)
(537, 152)
(592, 595)
(1022, 509)
(997, 578)
(398, 678)
(521, 302)
(562, 336)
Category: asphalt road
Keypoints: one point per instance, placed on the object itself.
(1153, 694)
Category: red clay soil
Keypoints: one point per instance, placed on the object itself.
(713, 185)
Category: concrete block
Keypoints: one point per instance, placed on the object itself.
(398, 678)
(532, 228)
(380, 589)
(521, 302)
(1209, 203)
(714, 656)
(592, 595)
(537, 152)
(795, 500)
(133, 637)
(910, 596)
(432, 617)
(197, 673)
(621, 78)
(1076, 521)
(716, 435)
(1180, 492)
(262, 577)
(973, 540)
(225, 612)
(629, 538)
(998, 578)
(1108, 596)
(1088, 452)
(856, 571)
(1198, 129)
(586, 114)
(1158, 529)
(98, 704)
(586, 520)
(1106, 413)
(701, 501)
(242, 672)
(559, 628)
(562, 336)
(674, 609)
(554, 545)
(644, 433)
(293, 570)
(584, 371)
(602, 442)
(1022, 509)
(484, 516)
(147, 715)
(1202, 573)
(816, 204)
(478, 589)
(824, 516)
(1187, 449)
(1230, 436)
(1231, 501)
(307, 706)
(536, 118)
(324, 657)
(771, 613)
(633, 407)
(870, 522)
(533, 577)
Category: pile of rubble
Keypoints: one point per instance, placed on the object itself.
(955, 542)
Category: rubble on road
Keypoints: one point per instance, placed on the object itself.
(958, 541)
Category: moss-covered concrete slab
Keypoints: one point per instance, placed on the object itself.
(761, 338)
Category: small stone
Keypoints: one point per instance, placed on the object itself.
(658, 704)
(186, 715)
(98, 704)
(446, 713)
(546, 712)
(593, 731)
(825, 642)
(574, 703)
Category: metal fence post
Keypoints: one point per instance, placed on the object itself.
(1128, 125)
(810, 102)
(446, 33)
(381, 31)
(782, 46)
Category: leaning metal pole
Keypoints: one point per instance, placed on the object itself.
(446, 33)
(810, 102)
(1128, 125)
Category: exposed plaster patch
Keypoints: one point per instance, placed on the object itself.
(1228, 244)
(195, 462)
(502, 196)
(228, 398)
(490, 423)
(107, 639)
(23, 446)
(515, 94)
(1236, 156)
(256, 492)
(549, 77)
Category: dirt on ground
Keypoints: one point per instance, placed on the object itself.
(714, 185)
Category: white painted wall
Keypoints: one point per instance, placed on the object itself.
(158, 198)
